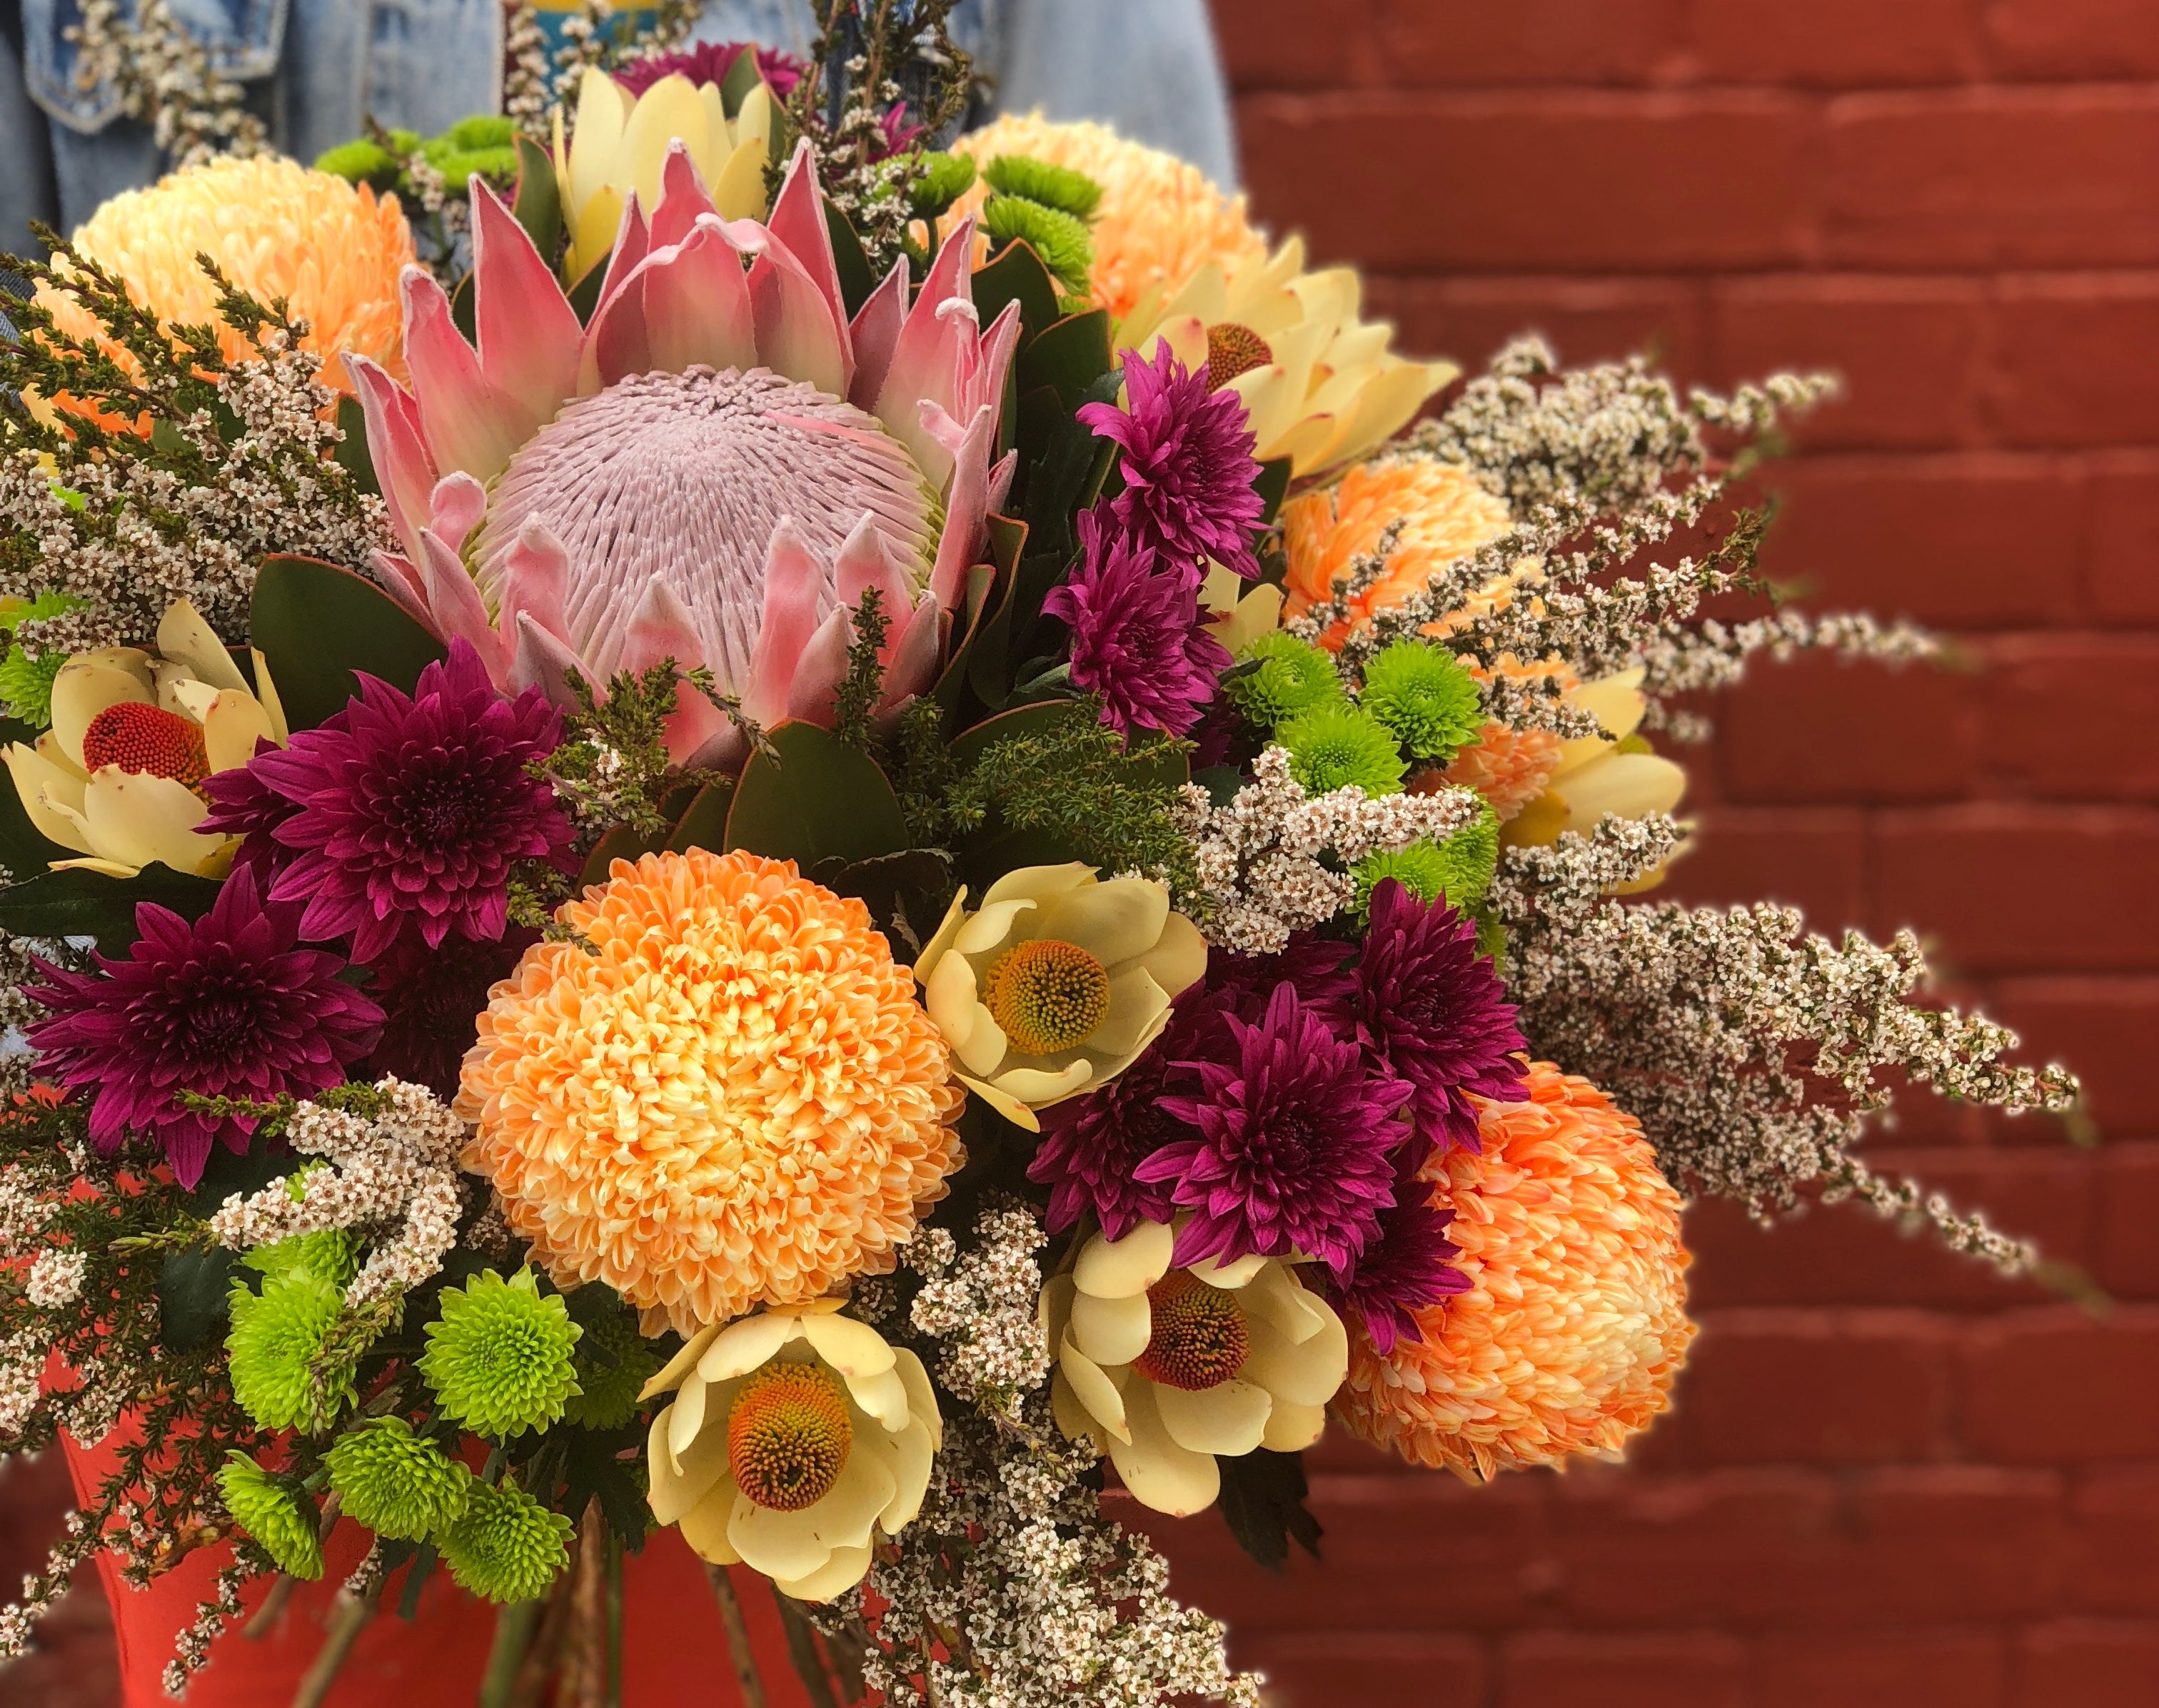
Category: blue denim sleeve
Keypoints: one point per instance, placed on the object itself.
(26, 191)
(1150, 68)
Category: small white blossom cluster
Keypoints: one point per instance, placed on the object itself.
(56, 1279)
(141, 537)
(166, 78)
(212, 1616)
(1262, 858)
(22, 1361)
(401, 1167)
(1751, 1053)
(980, 1308)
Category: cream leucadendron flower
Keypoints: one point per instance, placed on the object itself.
(134, 732)
(620, 146)
(1056, 982)
(793, 1435)
(1168, 1370)
(1611, 775)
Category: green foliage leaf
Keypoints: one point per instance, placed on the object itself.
(317, 623)
(192, 1290)
(907, 893)
(1262, 1502)
(741, 77)
(1017, 275)
(353, 455)
(1069, 357)
(585, 294)
(539, 203)
(704, 823)
(1272, 487)
(80, 904)
(849, 259)
(807, 796)
(620, 842)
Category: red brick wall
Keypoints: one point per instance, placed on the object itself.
(1888, 1479)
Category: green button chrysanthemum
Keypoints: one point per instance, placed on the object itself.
(276, 1512)
(1288, 677)
(1061, 240)
(1422, 693)
(945, 177)
(613, 1362)
(1337, 746)
(399, 1484)
(1053, 186)
(506, 1546)
(276, 1343)
(499, 1357)
(1460, 868)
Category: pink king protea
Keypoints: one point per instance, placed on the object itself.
(714, 470)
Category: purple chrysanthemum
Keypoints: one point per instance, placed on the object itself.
(710, 62)
(411, 811)
(1137, 639)
(1188, 465)
(227, 1007)
(1409, 1264)
(1092, 1145)
(1294, 1149)
(1434, 1010)
(432, 999)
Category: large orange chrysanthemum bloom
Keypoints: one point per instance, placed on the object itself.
(1574, 1324)
(731, 1098)
(277, 229)
(1161, 219)
(1445, 515)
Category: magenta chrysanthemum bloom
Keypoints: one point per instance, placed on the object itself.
(411, 811)
(1136, 636)
(1294, 1152)
(1409, 1264)
(710, 62)
(1188, 465)
(227, 1007)
(1434, 1010)
(430, 1000)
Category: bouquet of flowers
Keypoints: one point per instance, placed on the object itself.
(830, 844)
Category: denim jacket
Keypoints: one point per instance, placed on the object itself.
(316, 69)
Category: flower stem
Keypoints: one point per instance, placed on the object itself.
(802, 1650)
(738, 1629)
(514, 1628)
(348, 1618)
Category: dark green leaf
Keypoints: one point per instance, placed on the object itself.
(704, 822)
(1221, 782)
(191, 1296)
(80, 904)
(741, 77)
(1017, 275)
(849, 260)
(1070, 356)
(951, 686)
(317, 623)
(591, 1470)
(464, 310)
(353, 455)
(1262, 1501)
(416, 1580)
(585, 294)
(1273, 485)
(811, 797)
(620, 842)
(539, 203)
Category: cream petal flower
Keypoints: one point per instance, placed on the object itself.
(1166, 1371)
(1000, 982)
(822, 1389)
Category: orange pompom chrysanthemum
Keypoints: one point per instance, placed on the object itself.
(277, 229)
(1443, 513)
(1575, 1323)
(730, 1098)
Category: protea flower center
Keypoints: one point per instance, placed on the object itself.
(789, 1434)
(1233, 349)
(1200, 1339)
(1047, 996)
(683, 476)
(144, 738)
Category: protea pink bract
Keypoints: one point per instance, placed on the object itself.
(713, 470)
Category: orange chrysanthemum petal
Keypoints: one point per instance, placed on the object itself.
(277, 229)
(1160, 219)
(731, 1098)
(1444, 514)
(1574, 1324)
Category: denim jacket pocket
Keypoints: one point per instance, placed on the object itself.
(243, 38)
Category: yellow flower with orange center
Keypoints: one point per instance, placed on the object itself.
(724, 1093)
(1444, 516)
(1574, 1324)
(331, 248)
